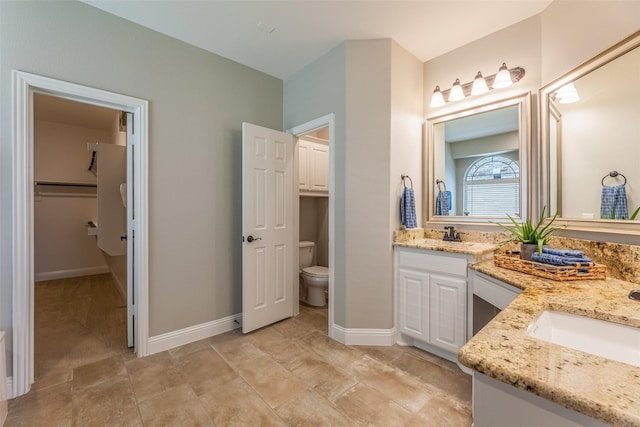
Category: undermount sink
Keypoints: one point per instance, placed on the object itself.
(606, 339)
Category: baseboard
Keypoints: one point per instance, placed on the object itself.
(379, 337)
(75, 272)
(191, 334)
(9, 387)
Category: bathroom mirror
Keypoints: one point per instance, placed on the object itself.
(590, 133)
(477, 161)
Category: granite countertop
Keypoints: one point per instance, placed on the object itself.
(480, 250)
(600, 388)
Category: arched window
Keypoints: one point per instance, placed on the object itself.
(491, 187)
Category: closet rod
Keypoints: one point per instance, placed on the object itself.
(65, 184)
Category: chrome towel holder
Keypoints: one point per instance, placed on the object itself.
(614, 174)
(404, 178)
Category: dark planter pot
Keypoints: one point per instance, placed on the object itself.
(527, 249)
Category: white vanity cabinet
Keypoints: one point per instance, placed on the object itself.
(431, 300)
(313, 168)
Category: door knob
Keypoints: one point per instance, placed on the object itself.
(251, 238)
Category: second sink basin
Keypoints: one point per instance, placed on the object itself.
(606, 339)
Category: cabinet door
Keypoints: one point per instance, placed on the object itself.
(413, 303)
(319, 165)
(447, 320)
(303, 165)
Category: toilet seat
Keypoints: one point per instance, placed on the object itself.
(316, 271)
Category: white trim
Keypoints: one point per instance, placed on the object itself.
(74, 272)
(352, 336)
(321, 122)
(191, 334)
(23, 87)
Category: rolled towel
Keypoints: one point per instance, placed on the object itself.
(577, 260)
(552, 259)
(563, 252)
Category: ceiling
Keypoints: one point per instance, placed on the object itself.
(305, 30)
(60, 110)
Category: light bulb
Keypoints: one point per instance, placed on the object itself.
(437, 100)
(567, 94)
(456, 93)
(503, 78)
(479, 85)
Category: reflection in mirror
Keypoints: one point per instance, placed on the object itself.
(478, 162)
(592, 132)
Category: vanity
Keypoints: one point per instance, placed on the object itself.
(432, 294)
(517, 376)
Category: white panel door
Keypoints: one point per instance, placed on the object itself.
(413, 303)
(319, 167)
(268, 234)
(447, 303)
(303, 165)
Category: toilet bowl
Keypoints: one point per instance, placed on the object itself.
(314, 279)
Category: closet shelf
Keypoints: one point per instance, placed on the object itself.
(64, 189)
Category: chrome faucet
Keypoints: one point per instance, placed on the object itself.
(451, 236)
(634, 295)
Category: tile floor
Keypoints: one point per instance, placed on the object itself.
(287, 374)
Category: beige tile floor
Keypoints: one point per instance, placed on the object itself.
(287, 374)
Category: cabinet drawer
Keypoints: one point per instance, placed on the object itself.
(445, 263)
(497, 295)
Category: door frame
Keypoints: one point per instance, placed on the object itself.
(298, 131)
(24, 85)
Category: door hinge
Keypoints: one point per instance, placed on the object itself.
(133, 225)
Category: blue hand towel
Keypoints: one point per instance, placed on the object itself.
(563, 252)
(614, 199)
(443, 202)
(408, 208)
(546, 258)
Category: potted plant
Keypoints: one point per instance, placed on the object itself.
(531, 237)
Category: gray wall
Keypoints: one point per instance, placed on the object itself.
(197, 104)
(314, 91)
(375, 89)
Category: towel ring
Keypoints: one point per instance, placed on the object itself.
(403, 177)
(614, 174)
(438, 182)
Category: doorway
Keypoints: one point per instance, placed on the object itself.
(25, 87)
(81, 302)
(324, 128)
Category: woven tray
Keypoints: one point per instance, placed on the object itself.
(581, 272)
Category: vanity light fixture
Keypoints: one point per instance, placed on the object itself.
(503, 78)
(567, 94)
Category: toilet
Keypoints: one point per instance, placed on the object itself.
(314, 279)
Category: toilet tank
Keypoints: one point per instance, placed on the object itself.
(305, 258)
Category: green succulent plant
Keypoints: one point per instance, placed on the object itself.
(526, 232)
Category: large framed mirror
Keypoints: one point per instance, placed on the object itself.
(590, 142)
(477, 162)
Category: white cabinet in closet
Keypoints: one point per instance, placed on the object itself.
(431, 295)
(313, 168)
